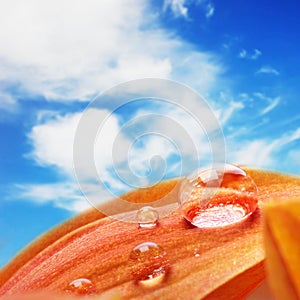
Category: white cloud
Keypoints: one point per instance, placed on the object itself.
(52, 142)
(268, 70)
(53, 139)
(69, 49)
(252, 56)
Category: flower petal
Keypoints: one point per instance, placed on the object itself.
(229, 263)
(282, 239)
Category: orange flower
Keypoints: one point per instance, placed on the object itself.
(215, 263)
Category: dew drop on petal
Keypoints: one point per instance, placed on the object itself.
(149, 264)
(81, 286)
(218, 197)
(147, 217)
(197, 252)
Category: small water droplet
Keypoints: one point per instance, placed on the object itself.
(147, 217)
(218, 197)
(81, 286)
(149, 264)
(197, 252)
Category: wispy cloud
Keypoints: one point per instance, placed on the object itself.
(210, 10)
(272, 102)
(230, 41)
(227, 109)
(268, 70)
(263, 153)
(52, 141)
(256, 153)
(180, 8)
(255, 54)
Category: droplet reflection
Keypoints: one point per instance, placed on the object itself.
(218, 197)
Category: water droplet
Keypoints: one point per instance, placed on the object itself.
(149, 264)
(218, 197)
(197, 252)
(147, 217)
(81, 286)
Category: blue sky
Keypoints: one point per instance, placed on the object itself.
(56, 56)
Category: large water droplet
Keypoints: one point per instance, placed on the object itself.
(81, 286)
(218, 197)
(147, 217)
(149, 264)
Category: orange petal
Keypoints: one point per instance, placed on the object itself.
(223, 263)
(282, 239)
